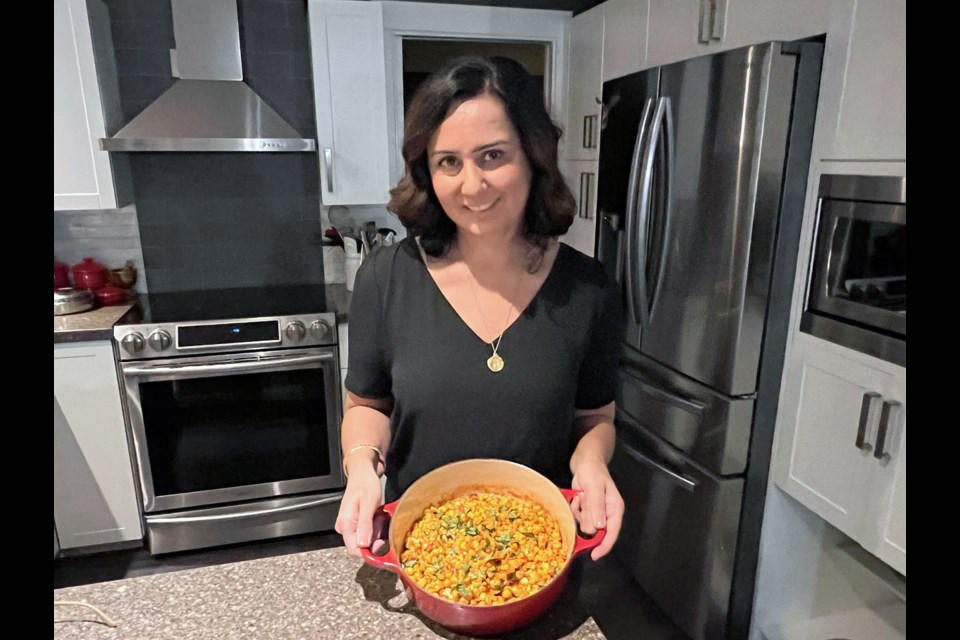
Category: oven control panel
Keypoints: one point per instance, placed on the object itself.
(140, 341)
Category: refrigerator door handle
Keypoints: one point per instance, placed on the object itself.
(643, 212)
(666, 211)
(633, 305)
(685, 482)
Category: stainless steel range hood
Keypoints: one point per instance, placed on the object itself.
(209, 108)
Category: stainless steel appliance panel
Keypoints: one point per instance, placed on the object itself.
(724, 128)
(709, 427)
(627, 113)
(683, 524)
(857, 294)
(211, 429)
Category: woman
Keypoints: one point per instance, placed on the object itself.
(480, 335)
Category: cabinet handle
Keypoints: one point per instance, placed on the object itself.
(706, 9)
(586, 132)
(713, 14)
(586, 186)
(719, 21)
(328, 163)
(889, 413)
(868, 399)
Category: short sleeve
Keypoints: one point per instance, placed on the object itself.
(367, 373)
(596, 386)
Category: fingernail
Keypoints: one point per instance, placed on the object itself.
(361, 542)
(599, 523)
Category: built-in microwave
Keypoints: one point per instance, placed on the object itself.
(857, 288)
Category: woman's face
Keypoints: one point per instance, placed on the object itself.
(479, 171)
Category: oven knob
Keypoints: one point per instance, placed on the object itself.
(296, 331)
(159, 340)
(132, 342)
(319, 329)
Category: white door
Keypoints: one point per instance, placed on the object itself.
(349, 83)
(82, 177)
(581, 177)
(890, 482)
(624, 37)
(830, 409)
(581, 139)
(94, 496)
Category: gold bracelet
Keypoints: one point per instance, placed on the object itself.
(379, 453)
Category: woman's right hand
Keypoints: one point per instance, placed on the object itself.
(361, 499)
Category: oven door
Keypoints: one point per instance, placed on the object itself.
(216, 429)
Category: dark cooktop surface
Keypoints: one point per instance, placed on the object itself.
(225, 304)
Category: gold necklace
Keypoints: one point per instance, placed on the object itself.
(495, 362)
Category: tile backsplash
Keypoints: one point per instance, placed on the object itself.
(222, 220)
(111, 236)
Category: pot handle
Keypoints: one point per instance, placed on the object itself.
(388, 560)
(583, 544)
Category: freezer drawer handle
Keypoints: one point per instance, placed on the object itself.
(889, 413)
(678, 478)
(868, 399)
(686, 404)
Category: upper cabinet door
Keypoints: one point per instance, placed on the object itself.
(863, 92)
(683, 29)
(747, 22)
(349, 83)
(624, 37)
(581, 138)
(82, 178)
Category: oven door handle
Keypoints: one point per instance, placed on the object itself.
(233, 367)
(236, 515)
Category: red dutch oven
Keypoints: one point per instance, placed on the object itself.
(60, 277)
(463, 478)
(89, 274)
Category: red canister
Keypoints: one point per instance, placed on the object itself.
(89, 274)
(60, 277)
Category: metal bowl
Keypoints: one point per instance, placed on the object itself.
(69, 300)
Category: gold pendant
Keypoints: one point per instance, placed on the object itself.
(495, 363)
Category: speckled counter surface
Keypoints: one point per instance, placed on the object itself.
(314, 594)
(96, 324)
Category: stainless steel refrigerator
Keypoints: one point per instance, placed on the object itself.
(703, 171)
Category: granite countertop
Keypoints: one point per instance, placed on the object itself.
(96, 324)
(312, 594)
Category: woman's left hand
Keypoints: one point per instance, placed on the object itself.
(600, 506)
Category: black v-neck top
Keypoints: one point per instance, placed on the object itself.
(406, 340)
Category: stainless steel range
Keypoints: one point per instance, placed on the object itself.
(234, 410)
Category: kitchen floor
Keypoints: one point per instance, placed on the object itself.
(620, 607)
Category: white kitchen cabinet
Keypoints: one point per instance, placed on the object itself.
(581, 177)
(581, 137)
(94, 496)
(82, 174)
(624, 37)
(838, 410)
(863, 89)
(349, 83)
(683, 29)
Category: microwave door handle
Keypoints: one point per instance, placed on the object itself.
(226, 367)
(665, 204)
(633, 305)
(837, 258)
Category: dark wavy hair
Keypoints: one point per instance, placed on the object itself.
(550, 205)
